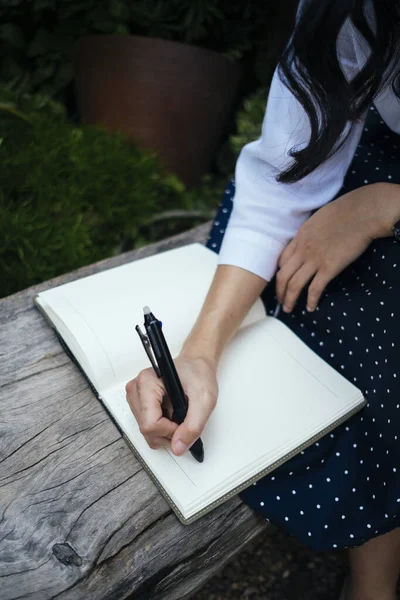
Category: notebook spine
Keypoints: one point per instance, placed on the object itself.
(68, 351)
(71, 355)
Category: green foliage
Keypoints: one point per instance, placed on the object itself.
(71, 195)
(232, 28)
(37, 36)
(249, 121)
(248, 128)
(198, 205)
(37, 41)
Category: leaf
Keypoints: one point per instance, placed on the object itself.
(11, 3)
(173, 182)
(12, 34)
(43, 5)
(64, 75)
(101, 20)
(12, 110)
(44, 71)
(55, 109)
(119, 11)
(73, 8)
(40, 43)
(10, 69)
(121, 30)
(33, 103)
(48, 89)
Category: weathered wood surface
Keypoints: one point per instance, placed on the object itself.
(79, 518)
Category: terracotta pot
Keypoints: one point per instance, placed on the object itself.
(169, 97)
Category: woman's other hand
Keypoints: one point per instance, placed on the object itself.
(332, 238)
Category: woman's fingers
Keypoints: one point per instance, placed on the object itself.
(167, 408)
(145, 396)
(199, 411)
(295, 285)
(153, 411)
(156, 443)
(316, 288)
(285, 274)
(287, 253)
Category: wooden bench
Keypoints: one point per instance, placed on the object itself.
(79, 518)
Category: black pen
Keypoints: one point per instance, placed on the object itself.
(165, 368)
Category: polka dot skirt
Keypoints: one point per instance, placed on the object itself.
(345, 489)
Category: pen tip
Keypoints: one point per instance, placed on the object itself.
(198, 452)
(146, 310)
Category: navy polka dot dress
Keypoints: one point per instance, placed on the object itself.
(345, 489)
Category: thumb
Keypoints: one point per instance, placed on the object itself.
(187, 432)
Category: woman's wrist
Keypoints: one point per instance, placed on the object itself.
(207, 338)
(196, 349)
(230, 297)
(386, 208)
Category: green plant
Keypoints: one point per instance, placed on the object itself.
(37, 40)
(71, 195)
(198, 205)
(248, 128)
(232, 28)
(37, 36)
(249, 121)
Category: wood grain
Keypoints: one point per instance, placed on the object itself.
(79, 518)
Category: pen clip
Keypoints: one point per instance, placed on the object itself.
(277, 309)
(148, 349)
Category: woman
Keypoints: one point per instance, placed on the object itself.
(317, 205)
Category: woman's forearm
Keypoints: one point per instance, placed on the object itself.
(230, 297)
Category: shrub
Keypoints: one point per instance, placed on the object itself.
(249, 120)
(70, 195)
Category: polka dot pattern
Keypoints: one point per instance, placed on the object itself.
(345, 489)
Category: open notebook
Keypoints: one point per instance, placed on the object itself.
(276, 396)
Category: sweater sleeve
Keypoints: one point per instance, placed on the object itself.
(267, 214)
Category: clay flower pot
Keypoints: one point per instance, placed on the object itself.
(169, 97)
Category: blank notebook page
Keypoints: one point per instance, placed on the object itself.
(104, 308)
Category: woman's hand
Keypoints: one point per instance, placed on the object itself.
(232, 293)
(331, 239)
(145, 395)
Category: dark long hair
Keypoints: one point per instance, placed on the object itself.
(310, 68)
